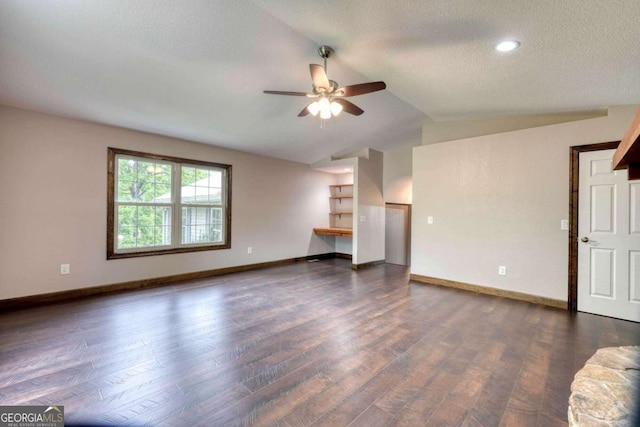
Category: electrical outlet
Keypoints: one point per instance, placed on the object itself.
(65, 269)
(363, 218)
(502, 270)
(249, 250)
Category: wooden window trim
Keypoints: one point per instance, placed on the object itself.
(112, 254)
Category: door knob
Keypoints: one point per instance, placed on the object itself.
(585, 239)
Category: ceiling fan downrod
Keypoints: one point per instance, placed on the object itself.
(325, 52)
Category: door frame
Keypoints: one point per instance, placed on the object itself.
(574, 185)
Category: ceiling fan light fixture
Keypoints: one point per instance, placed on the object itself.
(323, 103)
(314, 108)
(325, 108)
(336, 108)
(325, 114)
(507, 45)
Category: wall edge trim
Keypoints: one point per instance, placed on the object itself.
(367, 264)
(520, 296)
(62, 296)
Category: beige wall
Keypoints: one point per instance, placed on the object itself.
(53, 206)
(434, 132)
(498, 200)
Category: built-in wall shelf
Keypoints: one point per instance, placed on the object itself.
(340, 212)
(340, 232)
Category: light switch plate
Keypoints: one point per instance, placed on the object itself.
(564, 224)
(429, 220)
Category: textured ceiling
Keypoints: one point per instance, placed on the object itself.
(196, 69)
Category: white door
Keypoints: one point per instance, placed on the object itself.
(397, 234)
(608, 239)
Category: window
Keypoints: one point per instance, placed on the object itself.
(159, 205)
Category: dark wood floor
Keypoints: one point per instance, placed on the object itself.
(303, 344)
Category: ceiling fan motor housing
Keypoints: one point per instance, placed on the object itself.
(333, 85)
(325, 51)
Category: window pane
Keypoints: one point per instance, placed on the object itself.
(124, 191)
(163, 193)
(144, 237)
(126, 230)
(143, 226)
(201, 185)
(143, 181)
(201, 225)
(215, 196)
(216, 224)
(188, 175)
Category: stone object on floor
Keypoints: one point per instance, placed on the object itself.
(604, 393)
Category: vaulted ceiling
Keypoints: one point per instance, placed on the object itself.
(196, 69)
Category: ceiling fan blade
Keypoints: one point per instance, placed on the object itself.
(319, 77)
(361, 89)
(304, 112)
(349, 107)
(280, 92)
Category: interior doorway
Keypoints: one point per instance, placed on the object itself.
(599, 212)
(609, 238)
(398, 234)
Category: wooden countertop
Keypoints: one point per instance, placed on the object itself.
(342, 232)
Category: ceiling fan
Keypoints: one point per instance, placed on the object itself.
(331, 100)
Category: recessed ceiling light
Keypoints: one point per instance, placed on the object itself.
(507, 45)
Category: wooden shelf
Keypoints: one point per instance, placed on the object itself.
(340, 221)
(340, 232)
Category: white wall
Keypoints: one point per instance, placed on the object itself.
(344, 178)
(397, 173)
(344, 245)
(498, 200)
(368, 235)
(53, 183)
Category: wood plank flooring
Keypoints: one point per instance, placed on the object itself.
(302, 344)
